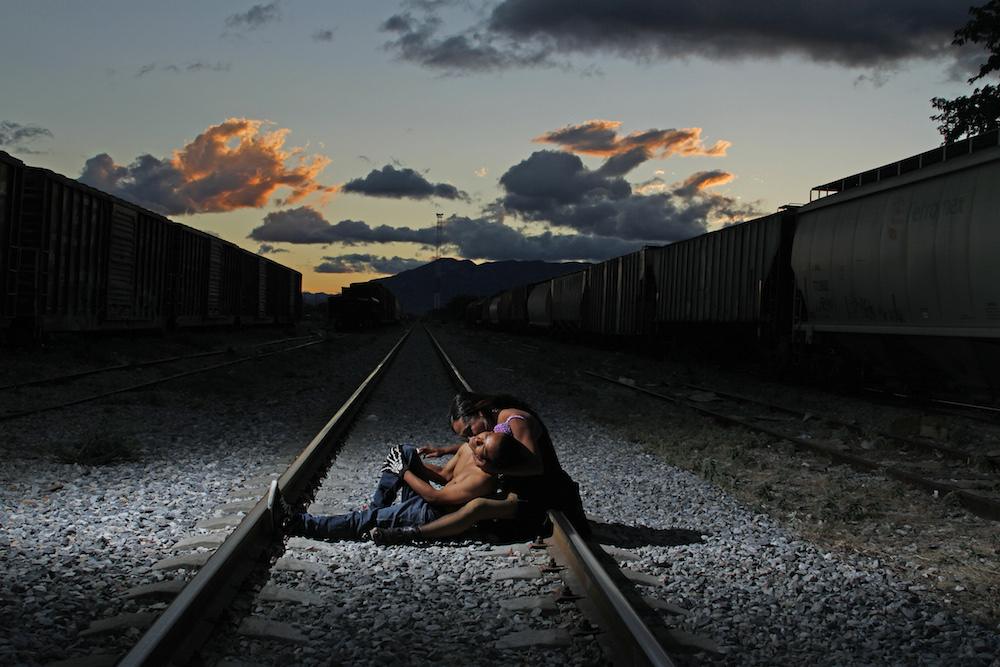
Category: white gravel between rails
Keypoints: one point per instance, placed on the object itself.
(409, 604)
(766, 596)
(75, 538)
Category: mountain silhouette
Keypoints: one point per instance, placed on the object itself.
(415, 288)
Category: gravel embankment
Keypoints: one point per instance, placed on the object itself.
(424, 604)
(764, 593)
(75, 537)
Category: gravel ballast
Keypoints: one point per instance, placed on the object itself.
(763, 593)
(75, 537)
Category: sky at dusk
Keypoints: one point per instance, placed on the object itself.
(328, 135)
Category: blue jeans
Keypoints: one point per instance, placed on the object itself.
(412, 510)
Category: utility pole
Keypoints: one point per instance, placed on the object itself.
(439, 236)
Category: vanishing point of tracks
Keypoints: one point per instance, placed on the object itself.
(201, 609)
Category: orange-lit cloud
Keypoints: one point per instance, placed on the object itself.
(601, 138)
(694, 184)
(238, 163)
(707, 179)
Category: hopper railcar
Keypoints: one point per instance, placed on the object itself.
(73, 258)
(891, 273)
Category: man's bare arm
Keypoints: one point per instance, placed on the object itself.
(435, 452)
(457, 493)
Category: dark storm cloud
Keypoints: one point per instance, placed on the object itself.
(17, 137)
(855, 33)
(268, 249)
(485, 238)
(307, 225)
(557, 188)
(256, 17)
(196, 66)
(360, 263)
(399, 183)
(472, 238)
(323, 36)
(416, 41)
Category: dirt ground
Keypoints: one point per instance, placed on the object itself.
(942, 549)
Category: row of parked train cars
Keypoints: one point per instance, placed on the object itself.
(894, 271)
(73, 258)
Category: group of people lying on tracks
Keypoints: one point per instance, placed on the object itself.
(504, 478)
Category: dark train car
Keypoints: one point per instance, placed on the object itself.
(898, 267)
(567, 300)
(733, 283)
(540, 305)
(89, 261)
(618, 295)
(11, 174)
(363, 305)
(76, 259)
(512, 309)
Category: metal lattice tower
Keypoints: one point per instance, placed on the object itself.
(438, 238)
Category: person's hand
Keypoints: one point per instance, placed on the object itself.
(431, 452)
(394, 461)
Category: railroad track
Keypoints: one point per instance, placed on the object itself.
(25, 399)
(929, 465)
(227, 580)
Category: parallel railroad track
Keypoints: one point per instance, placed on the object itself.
(201, 607)
(921, 463)
(32, 402)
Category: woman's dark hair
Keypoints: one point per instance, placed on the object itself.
(468, 403)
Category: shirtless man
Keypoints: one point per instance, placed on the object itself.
(403, 472)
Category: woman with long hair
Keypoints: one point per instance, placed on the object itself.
(531, 479)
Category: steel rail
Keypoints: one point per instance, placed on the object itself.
(926, 445)
(984, 506)
(184, 626)
(635, 642)
(143, 385)
(141, 364)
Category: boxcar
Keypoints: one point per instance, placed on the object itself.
(97, 262)
(731, 282)
(73, 258)
(618, 296)
(11, 173)
(364, 305)
(567, 300)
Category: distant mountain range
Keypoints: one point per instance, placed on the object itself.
(415, 288)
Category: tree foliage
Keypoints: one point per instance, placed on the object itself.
(979, 111)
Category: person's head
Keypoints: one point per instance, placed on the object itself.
(472, 413)
(495, 451)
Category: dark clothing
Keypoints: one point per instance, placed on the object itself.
(553, 489)
(412, 510)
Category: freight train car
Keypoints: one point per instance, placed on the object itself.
(74, 258)
(11, 171)
(363, 305)
(899, 265)
(733, 284)
(618, 296)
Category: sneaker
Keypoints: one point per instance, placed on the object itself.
(403, 535)
(281, 511)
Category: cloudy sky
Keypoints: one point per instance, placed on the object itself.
(329, 135)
